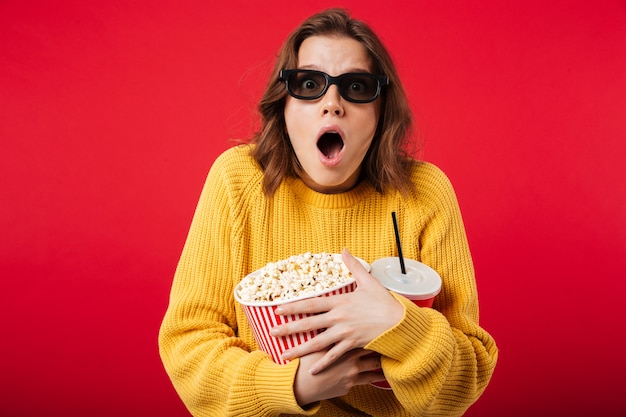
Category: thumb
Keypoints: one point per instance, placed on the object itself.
(357, 269)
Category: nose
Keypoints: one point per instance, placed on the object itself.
(332, 102)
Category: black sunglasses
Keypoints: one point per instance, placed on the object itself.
(356, 87)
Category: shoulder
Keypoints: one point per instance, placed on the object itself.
(431, 183)
(235, 170)
(426, 175)
(236, 162)
(237, 157)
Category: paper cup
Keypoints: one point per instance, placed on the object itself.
(420, 284)
(262, 318)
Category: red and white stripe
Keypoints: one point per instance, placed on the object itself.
(263, 318)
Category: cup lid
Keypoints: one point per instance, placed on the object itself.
(419, 283)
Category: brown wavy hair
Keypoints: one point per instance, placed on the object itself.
(385, 165)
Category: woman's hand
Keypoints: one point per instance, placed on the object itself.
(351, 320)
(356, 367)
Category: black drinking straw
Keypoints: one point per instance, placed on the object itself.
(395, 228)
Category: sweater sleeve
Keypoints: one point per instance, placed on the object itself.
(447, 360)
(214, 371)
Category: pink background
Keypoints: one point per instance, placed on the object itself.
(111, 114)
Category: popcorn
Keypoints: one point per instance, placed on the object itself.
(295, 277)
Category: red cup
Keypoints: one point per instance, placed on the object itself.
(420, 284)
(262, 318)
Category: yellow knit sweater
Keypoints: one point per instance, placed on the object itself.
(437, 360)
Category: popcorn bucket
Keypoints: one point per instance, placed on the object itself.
(262, 318)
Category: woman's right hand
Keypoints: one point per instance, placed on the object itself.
(356, 367)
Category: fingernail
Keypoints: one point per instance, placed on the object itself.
(278, 310)
(274, 331)
(313, 370)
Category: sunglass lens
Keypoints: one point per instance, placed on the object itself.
(360, 88)
(306, 84)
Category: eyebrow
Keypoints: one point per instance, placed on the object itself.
(352, 69)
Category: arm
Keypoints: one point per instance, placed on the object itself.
(438, 361)
(449, 359)
(213, 370)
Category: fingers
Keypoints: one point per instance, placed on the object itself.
(356, 367)
(307, 306)
(370, 361)
(303, 325)
(319, 342)
(330, 357)
(352, 263)
(366, 366)
(311, 309)
(363, 278)
(370, 367)
(369, 377)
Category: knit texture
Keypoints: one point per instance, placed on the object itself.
(438, 361)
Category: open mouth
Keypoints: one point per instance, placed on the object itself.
(330, 144)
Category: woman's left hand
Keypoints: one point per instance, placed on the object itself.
(351, 320)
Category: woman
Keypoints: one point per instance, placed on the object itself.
(324, 173)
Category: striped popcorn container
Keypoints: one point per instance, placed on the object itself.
(261, 317)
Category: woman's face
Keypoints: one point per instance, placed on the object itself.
(330, 135)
